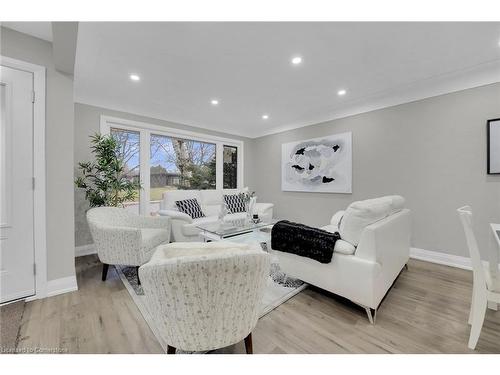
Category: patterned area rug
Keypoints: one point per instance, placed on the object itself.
(280, 288)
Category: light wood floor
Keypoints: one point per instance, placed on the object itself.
(425, 312)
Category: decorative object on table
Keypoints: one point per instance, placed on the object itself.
(104, 179)
(493, 146)
(322, 165)
(255, 219)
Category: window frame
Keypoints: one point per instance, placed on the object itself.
(146, 129)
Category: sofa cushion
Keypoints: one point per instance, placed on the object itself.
(341, 246)
(170, 197)
(235, 203)
(344, 247)
(190, 207)
(360, 214)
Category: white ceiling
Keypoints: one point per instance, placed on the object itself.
(246, 66)
(42, 30)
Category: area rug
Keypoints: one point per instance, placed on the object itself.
(279, 289)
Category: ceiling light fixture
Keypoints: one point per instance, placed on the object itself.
(135, 77)
(265, 117)
(296, 60)
(214, 102)
(341, 92)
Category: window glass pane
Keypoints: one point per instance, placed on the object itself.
(179, 164)
(230, 167)
(129, 151)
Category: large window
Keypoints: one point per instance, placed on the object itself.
(129, 149)
(230, 166)
(177, 163)
(165, 159)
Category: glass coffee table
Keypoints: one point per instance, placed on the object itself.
(243, 231)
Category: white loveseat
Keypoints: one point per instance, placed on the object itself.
(364, 267)
(184, 227)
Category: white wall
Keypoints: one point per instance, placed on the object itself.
(87, 121)
(59, 150)
(433, 152)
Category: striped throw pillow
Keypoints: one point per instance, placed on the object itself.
(235, 203)
(190, 207)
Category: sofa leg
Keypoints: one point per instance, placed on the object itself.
(138, 279)
(104, 271)
(372, 314)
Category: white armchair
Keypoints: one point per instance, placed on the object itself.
(205, 296)
(122, 237)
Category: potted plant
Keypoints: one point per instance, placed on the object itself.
(104, 179)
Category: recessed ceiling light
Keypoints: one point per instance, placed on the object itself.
(296, 60)
(214, 102)
(265, 117)
(341, 92)
(135, 77)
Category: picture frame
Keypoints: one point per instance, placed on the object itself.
(493, 146)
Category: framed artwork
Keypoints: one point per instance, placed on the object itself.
(320, 165)
(493, 146)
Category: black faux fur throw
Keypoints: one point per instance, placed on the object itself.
(299, 239)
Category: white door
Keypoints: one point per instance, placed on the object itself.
(17, 272)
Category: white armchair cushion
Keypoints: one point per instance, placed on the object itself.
(360, 214)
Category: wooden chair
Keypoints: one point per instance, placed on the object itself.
(485, 289)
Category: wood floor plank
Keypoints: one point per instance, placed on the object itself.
(425, 312)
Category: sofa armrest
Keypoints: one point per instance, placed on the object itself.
(117, 245)
(262, 208)
(335, 220)
(154, 222)
(388, 240)
(176, 215)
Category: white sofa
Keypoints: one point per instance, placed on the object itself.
(184, 227)
(363, 268)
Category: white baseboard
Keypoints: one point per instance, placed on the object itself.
(441, 258)
(62, 285)
(85, 250)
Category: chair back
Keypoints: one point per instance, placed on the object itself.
(465, 214)
(108, 216)
(116, 239)
(204, 302)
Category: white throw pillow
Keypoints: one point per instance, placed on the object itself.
(344, 247)
(360, 214)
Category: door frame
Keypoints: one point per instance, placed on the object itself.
(39, 197)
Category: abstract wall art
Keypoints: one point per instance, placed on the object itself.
(321, 165)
